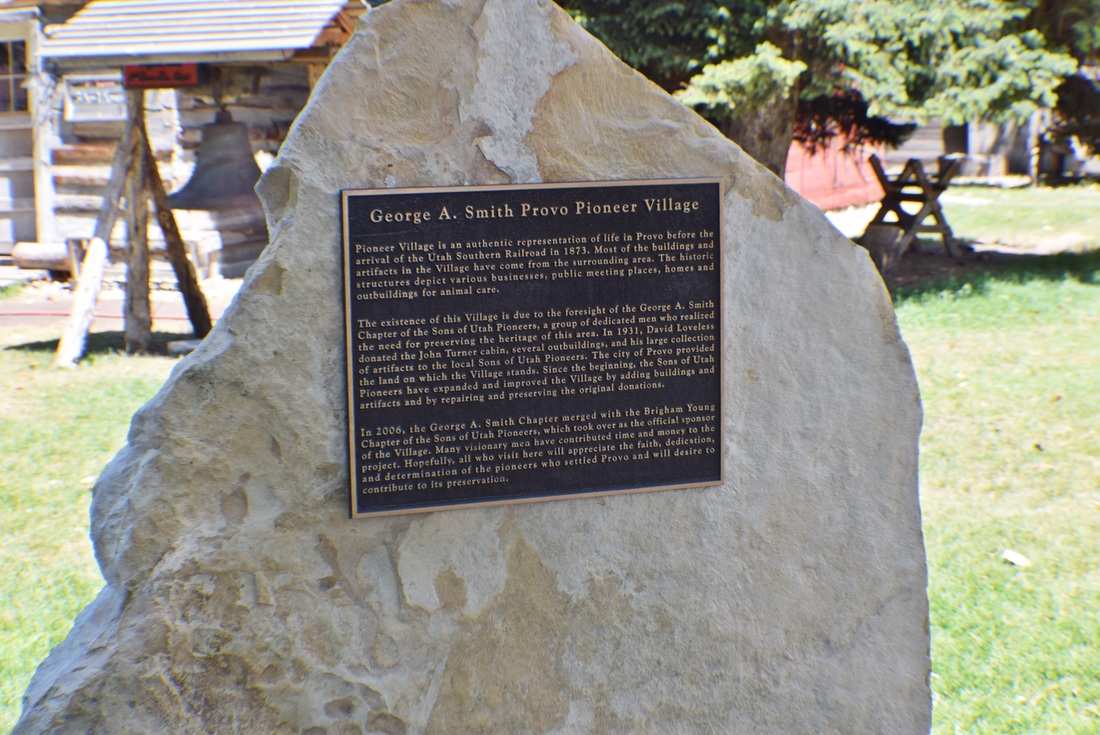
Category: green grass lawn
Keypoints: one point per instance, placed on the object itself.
(1043, 218)
(57, 430)
(1009, 368)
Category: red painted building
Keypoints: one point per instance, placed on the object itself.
(834, 178)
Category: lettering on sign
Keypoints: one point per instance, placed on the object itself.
(94, 98)
(510, 344)
(160, 76)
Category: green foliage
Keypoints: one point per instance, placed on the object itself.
(668, 40)
(1006, 79)
(964, 60)
(1075, 26)
(1078, 111)
(846, 113)
(750, 82)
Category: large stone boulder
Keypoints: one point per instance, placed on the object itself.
(241, 598)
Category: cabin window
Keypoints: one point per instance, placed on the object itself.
(13, 75)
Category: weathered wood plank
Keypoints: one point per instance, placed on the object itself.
(193, 298)
(52, 256)
(70, 347)
(137, 313)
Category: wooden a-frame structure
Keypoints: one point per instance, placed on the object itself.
(914, 185)
(134, 169)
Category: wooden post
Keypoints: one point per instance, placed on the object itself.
(1034, 149)
(44, 114)
(75, 250)
(137, 313)
(197, 310)
(70, 347)
(315, 72)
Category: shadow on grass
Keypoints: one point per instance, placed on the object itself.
(106, 343)
(921, 276)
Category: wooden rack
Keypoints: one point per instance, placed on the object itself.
(134, 174)
(914, 185)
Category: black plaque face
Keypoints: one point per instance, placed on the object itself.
(510, 344)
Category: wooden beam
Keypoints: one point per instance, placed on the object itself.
(315, 71)
(70, 348)
(193, 298)
(50, 256)
(137, 313)
(46, 135)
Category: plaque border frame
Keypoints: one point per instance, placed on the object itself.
(349, 356)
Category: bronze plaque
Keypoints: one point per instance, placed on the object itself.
(521, 343)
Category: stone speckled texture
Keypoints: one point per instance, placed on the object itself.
(240, 597)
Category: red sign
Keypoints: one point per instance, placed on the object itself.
(160, 76)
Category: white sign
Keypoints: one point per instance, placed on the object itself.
(98, 98)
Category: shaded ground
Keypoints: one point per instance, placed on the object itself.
(930, 269)
(34, 314)
(1017, 235)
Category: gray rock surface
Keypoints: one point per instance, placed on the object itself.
(240, 597)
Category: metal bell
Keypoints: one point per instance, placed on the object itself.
(225, 172)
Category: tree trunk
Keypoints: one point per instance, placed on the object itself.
(765, 134)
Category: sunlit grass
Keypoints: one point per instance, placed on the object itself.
(1009, 369)
(1051, 219)
(57, 430)
(10, 290)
